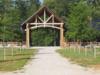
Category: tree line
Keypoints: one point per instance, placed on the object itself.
(81, 17)
(12, 14)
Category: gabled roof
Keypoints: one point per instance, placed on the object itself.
(40, 13)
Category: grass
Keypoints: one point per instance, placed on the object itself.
(80, 57)
(16, 61)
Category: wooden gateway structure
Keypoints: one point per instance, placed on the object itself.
(44, 17)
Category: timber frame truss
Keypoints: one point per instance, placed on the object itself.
(43, 18)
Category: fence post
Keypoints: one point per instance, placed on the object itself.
(79, 49)
(4, 53)
(74, 48)
(12, 50)
(94, 52)
(69, 48)
(20, 47)
(85, 51)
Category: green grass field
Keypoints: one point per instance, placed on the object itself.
(16, 59)
(80, 57)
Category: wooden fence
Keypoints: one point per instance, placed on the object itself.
(85, 47)
(10, 44)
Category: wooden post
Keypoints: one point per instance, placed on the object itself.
(85, 51)
(12, 50)
(4, 53)
(61, 36)
(44, 18)
(95, 52)
(27, 36)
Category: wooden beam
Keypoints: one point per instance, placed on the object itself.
(45, 26)
(27, 36)
(46, 23)
(40, 19)
(44, 18)
(49, 18)
(61, 36)
(36, 21)
(53, 20)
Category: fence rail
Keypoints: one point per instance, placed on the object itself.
(83, 43)
(12, 44)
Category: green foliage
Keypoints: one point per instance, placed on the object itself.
(12, 14)
(45, 37)
(96, 7)
(59, 7)
(79, 23)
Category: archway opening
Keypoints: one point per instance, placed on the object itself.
(45, 37)
(43, 18)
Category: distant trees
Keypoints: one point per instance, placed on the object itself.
(12, 14)
(78, 15)
(80, 23)
(45, 37)
(60, 7)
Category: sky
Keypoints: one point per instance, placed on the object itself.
(41, 1)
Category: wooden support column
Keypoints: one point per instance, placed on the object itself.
(27, 36)
(61, 36)
(44, 18)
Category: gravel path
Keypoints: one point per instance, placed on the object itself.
(48, 62)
